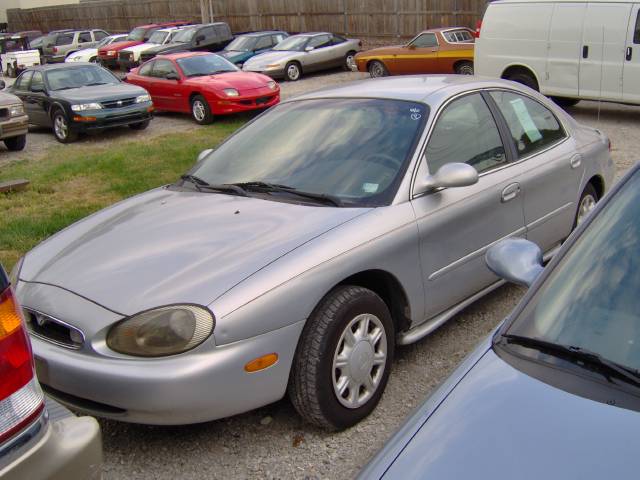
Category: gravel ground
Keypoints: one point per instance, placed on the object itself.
(273, 442)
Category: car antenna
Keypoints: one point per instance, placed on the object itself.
(601, 73)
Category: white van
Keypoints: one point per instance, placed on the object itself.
(569, 49)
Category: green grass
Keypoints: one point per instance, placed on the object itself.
(73, 181)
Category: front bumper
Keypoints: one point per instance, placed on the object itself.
(51, 58)
(204, 384)
(109, 62)
(111, 117)
(127, 64)
(246, 103)
(14, 126)
(57, 446)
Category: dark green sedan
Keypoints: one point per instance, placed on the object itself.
(78, 98)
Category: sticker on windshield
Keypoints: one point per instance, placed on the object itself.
(370, 187)
(525, 119)
(415, 114)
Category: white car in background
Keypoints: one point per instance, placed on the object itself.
(129, 58)
(91, 54)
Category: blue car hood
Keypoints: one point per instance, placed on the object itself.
(500, 423)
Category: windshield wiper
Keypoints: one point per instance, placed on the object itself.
(274, 187)
(202, 185)
(95, 83)
(579, 356)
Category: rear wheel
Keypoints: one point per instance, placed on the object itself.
(139, 125)
(525, 79)
(377, 69)
(293, 71)
(343, 359)
(349, 61)
(587, 203)
(464, 68)
(93, 60)
(200, 110)
(16, 143)
(61, 128)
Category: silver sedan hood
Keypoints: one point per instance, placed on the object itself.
(500, 423)
(272, 57)
(167, 246)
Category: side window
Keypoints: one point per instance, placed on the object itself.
(277, 39)
(425, 40)
(85, 37)
(148, 33)
(223, 31)
(636, 32)
(22, 83)
(65, 39)
(337, 40)
(162, 68)
(320, 41)
(466, 132)
(37, 81)
(533, 126)
(208, 32)
(263, 42)
(145, 70)
(99, 34)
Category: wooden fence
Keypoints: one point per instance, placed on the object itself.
(374, 21)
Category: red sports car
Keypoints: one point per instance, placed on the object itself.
(203, 84)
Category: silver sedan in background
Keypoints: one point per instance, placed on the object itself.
(305, 53)
(292, 261)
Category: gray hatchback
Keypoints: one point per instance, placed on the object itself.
(299, 253)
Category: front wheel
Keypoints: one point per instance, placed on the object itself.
(139, 125)
(292, 71)
(11, 71)
(200, 110)
(94, 60)
(586, 204)
(61, 128)
(16, 143)
(464, 68)
(343, 359)
(377, 69)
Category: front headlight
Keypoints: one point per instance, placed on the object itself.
(16, 110)
(231, 92)
(272, 85)
(15, 272)
(162, 331)
(81, 107)
(143, 98)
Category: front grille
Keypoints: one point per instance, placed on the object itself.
(123, 102)
(54, 330)
(126, 56)
(263, 100)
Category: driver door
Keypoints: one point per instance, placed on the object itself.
(167, 93)
(419, 56)
(36, 101)
(320, 56)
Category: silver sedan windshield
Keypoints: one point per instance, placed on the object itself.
(353, 149)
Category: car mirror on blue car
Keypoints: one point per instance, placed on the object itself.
(516, 260)
(450, 175)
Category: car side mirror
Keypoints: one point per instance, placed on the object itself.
(172, 76)
(309, 49)
(516, 260)
(203, 154)
(450, 175)
(2, 84)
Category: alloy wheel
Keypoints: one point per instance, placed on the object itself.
(587, 204)
(61, 127)
(199, 111)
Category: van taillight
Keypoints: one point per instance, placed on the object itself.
(21, 399)
(478, 27)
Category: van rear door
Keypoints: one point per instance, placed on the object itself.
(631, 72)
(604, 40)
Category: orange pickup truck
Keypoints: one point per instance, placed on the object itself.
(439, 50)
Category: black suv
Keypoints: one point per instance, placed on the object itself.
(210, 37)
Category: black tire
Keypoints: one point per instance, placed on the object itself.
(139, 125)
(525, 79)
(63, 135)
(588, 199)
(349, 61)
(293, 71)
(565, 102)
(201, 111)
(464, 68)
(94, 60)
(377, 69)
(11, 71)
(311, 383)
(16, 144)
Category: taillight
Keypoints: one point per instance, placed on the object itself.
(55, 49)
(360, 43)
(478, 27)
(21, 398)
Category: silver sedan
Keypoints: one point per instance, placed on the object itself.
(298, 254)
(305, 53)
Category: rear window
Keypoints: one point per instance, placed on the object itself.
(636, 33)
(456, 36)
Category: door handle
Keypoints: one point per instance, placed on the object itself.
(576, 161)
(510, 192)
(585, 51)
(629, 54)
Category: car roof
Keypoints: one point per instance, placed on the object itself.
(58, 66)
(416, 88)
(444, 29)
(258, 34)
(311, 34)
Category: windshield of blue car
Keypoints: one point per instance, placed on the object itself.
(294, 44)
(355, 150)
(184, 36)
(137, 34)
(76, 77)
(158, 36)
(241, 44)
(591, 299)
(200, 65)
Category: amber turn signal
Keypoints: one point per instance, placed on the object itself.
(260, 363)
